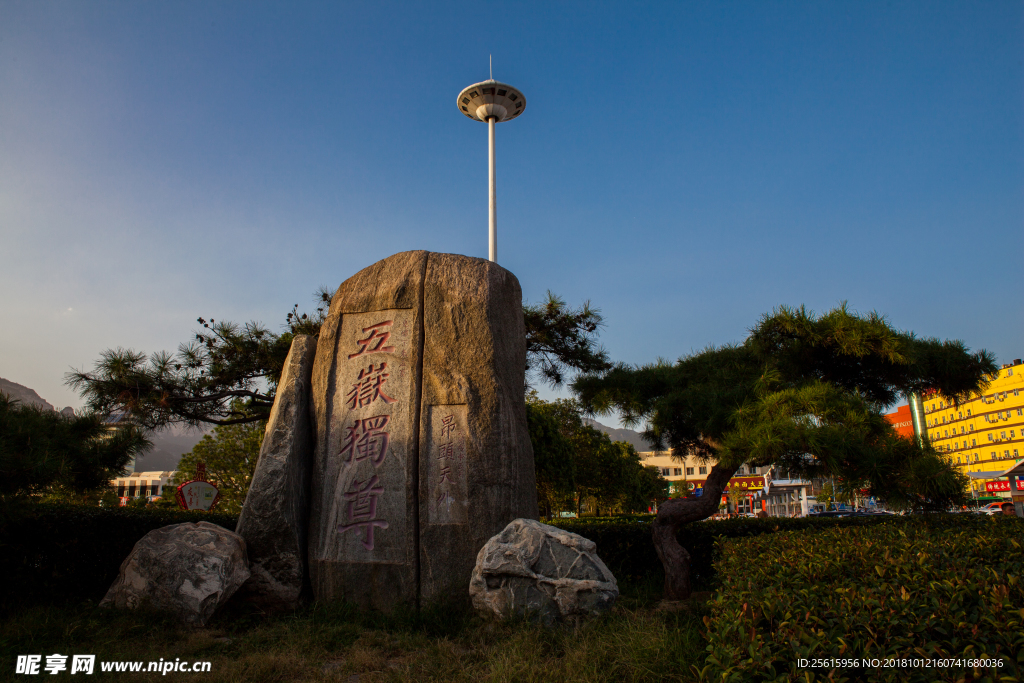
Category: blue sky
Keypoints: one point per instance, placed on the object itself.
(685, 166)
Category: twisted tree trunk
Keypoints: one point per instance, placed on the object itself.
(672, 515)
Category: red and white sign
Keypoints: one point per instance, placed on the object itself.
(1001, 485)
(198, 494)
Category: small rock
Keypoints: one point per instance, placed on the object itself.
(532, 569)
(187, 569)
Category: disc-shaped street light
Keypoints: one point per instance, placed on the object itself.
(491, 102)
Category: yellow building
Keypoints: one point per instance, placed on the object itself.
(985, 434)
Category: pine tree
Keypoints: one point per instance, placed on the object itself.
(804, 392)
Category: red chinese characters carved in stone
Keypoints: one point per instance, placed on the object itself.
(362, 509)
(366, 439)
(369, 387)
(447, 426)
(446, 451)
(375, 342)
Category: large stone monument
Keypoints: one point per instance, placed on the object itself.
(422, 450)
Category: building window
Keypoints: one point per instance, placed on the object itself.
(968, 412)
(1015, 452)
(689, 470)
(974, 442)
(1002, 435)
(678, 471)
(131, 490)
(1006, 454)
(664, 471)
(992, 456)
(1011, 434)
(991, 438)
(120, 489)
(703, 470)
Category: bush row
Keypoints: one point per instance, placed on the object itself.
(625, 545)
(944, 590)
(56, 553)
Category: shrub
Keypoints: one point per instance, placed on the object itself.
(932, 588)
(55, 553)
(625, 543)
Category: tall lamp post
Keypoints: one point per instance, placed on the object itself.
(491, 102)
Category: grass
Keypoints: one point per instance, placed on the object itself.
(636, 641)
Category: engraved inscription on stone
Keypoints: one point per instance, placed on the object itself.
(445, 457)
(370, 438)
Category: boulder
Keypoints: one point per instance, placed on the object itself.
(539, 571)
(275, 516)
(422, 448)
(188, 569)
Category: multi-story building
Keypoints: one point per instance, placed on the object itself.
(149, 485)
(689, 472)
(984, 435)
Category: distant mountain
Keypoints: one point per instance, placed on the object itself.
(23, 394)
(627, 435)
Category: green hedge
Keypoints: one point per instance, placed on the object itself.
(58, 553)
(625, 545)
(944, 587)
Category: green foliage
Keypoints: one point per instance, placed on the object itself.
(56, 553)
(929, 587)
(804, 392)
(575, 462)
(560, 339)
(230, 455)
(228, 373)
(45, 452)
(199, 384)
(624, 542)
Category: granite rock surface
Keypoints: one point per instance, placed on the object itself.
(188, 569)
(539, 571)
(275, 517)
(422, 448)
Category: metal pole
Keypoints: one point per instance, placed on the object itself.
(492, 242)
(918, 419)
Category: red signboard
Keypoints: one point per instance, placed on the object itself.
(1001, 485)
(745, 483)
(742, 483)
(902, 422)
